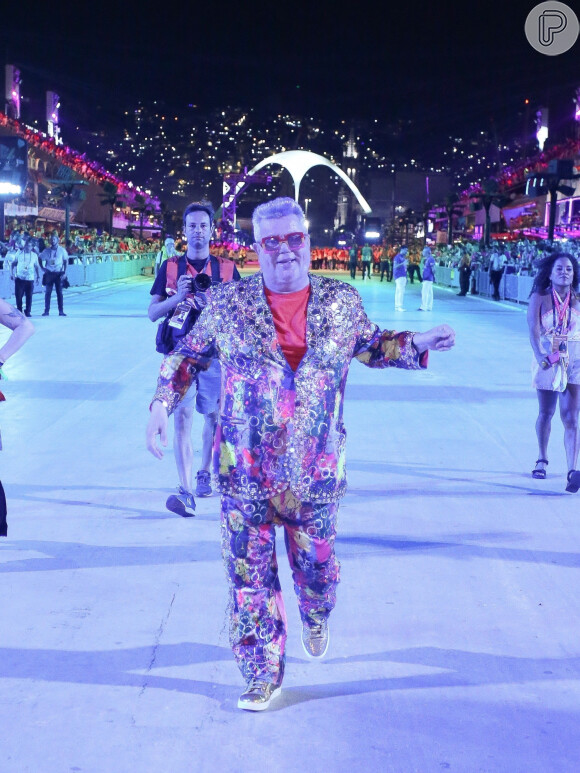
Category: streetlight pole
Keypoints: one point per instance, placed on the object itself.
(306, 203)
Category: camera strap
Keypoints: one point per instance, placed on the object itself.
(216, 277)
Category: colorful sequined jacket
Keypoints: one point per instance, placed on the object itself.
(278, 428)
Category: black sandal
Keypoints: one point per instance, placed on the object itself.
(573, 481)
(540, 474)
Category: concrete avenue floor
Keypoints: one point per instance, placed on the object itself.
(455, 641)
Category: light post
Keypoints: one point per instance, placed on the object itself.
(306, 203)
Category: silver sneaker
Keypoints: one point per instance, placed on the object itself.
(315, 639)
(181, 503)
(257, 695)
(203, 484)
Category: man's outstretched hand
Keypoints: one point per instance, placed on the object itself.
(157, 426)
(439, 339)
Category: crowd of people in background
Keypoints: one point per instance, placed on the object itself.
(83, 244)
(31, 256)
(515, 257)
(363, 261)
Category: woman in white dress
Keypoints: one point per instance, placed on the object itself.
(554, 324)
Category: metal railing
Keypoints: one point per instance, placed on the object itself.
(95, 268)
(92, 269)
(512, 287)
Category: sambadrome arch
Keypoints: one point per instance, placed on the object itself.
(298, 162)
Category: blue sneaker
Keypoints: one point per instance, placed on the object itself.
(203, 484)
(181, 503)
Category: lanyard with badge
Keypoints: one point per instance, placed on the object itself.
(560, 310)
(199, 284)
(22, 267)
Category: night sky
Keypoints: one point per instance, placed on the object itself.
(451, 67)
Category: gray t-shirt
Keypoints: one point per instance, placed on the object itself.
(54, 258)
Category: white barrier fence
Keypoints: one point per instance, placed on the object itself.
(92, 269)
(96, 269)
(512, 287)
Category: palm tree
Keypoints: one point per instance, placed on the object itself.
(111, 199)
(143, 207)
(168, 218)
(66, 192)
(487, 195)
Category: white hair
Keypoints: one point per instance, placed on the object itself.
(270, 210)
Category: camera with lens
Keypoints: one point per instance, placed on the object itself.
(200, 283)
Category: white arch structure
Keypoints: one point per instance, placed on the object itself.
(298, 162)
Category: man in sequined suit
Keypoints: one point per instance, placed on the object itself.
(285, 340)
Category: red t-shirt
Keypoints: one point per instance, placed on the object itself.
(289, 312)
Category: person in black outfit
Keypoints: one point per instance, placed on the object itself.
(386, 264)
(352, 260)
(414, 267)
(464, 274)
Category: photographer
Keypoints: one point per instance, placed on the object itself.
(178, 296)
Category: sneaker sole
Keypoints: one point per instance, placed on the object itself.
(199, 493)
(573, 482)
(322, 654)
(176, 506)
(259, 706)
